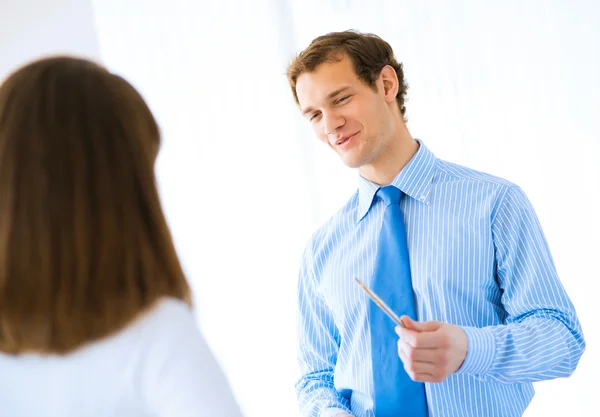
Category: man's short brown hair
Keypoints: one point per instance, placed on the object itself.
(368, 52)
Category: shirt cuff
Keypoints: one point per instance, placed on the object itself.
(332, 412)
(481, 350)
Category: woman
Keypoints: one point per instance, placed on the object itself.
(95, 315)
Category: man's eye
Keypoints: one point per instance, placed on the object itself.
(341, 100)
(314, 116)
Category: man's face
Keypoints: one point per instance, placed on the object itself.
(344, 112)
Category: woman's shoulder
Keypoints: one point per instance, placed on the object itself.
(169, 318)
(168, 311)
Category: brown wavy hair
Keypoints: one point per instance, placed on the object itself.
(84, 244)
(368, 53)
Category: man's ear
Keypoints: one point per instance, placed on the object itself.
(389, 79)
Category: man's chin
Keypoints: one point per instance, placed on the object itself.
(352, 162)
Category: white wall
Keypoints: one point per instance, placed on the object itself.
(231, 172)
(33, 28)
(508, 87)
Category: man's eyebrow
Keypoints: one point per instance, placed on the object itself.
(307, 110)
(338, 91)
(329, 96)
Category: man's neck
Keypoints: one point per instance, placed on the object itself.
(384, 170)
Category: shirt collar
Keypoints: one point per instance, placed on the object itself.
(414, 180)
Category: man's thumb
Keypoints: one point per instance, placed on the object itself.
(423, 326)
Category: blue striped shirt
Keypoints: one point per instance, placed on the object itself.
(479, 260)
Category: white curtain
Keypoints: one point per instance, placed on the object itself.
(510, 88)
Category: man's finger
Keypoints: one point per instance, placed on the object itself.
(424, 340)
(421, 368)
(420, 371)
(427, 377)
(409, 336)
(420, 326)
(418, 355)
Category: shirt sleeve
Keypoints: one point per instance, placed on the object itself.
(318, 341)
(180, 377)
(541, 337)
(333, 412)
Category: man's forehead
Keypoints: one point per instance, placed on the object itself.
(324, 82)
(331, 71)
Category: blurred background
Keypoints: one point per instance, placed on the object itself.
(510, 88)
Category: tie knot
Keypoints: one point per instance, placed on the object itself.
(389, 194)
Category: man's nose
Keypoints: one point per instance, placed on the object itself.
(332, 122)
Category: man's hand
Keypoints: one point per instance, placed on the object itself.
(431, 351)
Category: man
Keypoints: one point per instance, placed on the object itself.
(458, 250)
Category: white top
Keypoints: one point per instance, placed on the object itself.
(158, 366)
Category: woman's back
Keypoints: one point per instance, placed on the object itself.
(157, 366)
(95, 315)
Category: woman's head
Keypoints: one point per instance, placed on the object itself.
(84, 245)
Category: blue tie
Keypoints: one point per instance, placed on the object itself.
(396, 395)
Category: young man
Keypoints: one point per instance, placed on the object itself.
(458, 250)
